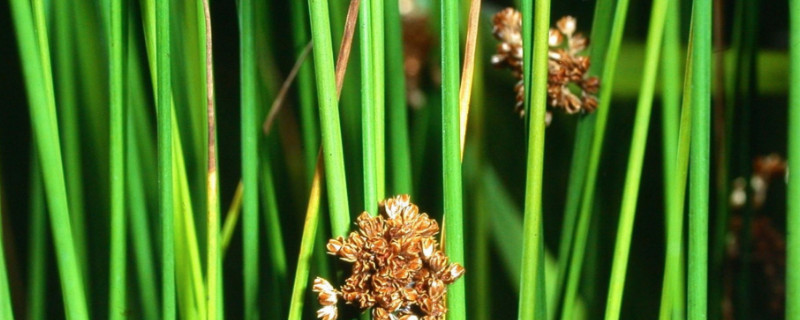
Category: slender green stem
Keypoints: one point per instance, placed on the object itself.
(672, 293)
(699, 160)
(34, 50)
(379, 78)
(532, 298)
(399, 148)
(451, 154)
(793, 195)
(305, 87)
(587, 200)
(277, 252)
(231, 219)
(601, 28)
(37, 248)
(306, 245)
(329, 117)
(250, 168)
(165, 154)
(635, 160)
(369, 125)
(67, 88)
(6, 311)
(117, 69)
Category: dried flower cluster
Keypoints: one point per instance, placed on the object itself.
(565, 67)
(398, 268)
(765, 170)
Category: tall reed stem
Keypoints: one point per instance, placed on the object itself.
(451, 154)
(369, 107)
(535, 28)
(699, 161)
(793, 195)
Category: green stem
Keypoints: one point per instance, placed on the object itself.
(305, 87)
(793, 193)
(6, 309)
(34, 50)
(587, 200)
(329, 117)
(369, 126)
(399, 148)
(699, 160)
(451, 154)
(532, 298)
(37, 248)
(165, 155)
(635, 160)
(117, 70)
(379, 79)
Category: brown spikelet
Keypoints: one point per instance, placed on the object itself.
(399, 269)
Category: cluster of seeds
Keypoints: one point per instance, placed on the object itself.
(398, 268)
(567, 70)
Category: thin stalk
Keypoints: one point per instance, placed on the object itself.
(793, 193)
(633, 176)
(451, 154)
(117, 69)
(672, 293)
(34, 50)
(329, 117)
(277, 252)
(532, 300)
(369, 125)
(587, 200)
(67, 99)
(305, 87)
(306, 244)
(250, 134)
(214, 257)
(37, 245)
(601, 28)
(699, 160)
(379, 77)
(231, 218)
(399, 145)
(165, 154)
(6, 310)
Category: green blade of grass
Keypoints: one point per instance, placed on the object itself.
(117, 69)
(37, 245)
(399, 148)
(699, 161)
(633, 176)
(249, 128)
(68, 118)
(306, 245)
(451, 154)
(672, 292)
(601, 28)
(587, 198)
(33, 46)
(369, 125)
(305, 87)
(277, 252)
(532, 299)
(379, 78)
(329, 117)
(165, 155)
(793, 193)
(6, 311)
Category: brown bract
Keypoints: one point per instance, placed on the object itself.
(399, 269)
(566, 68)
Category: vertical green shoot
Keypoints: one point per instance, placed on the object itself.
(369, 111)
(5, 294)
(329, 117)
(793, 195)
(699, 161)
(35, 55)
(379, 78)
(117, 70)
(451, 154)
(635, 160)
(165, 154)
(37, 248)
(305, 88)
(535, 28)
(399, 148)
